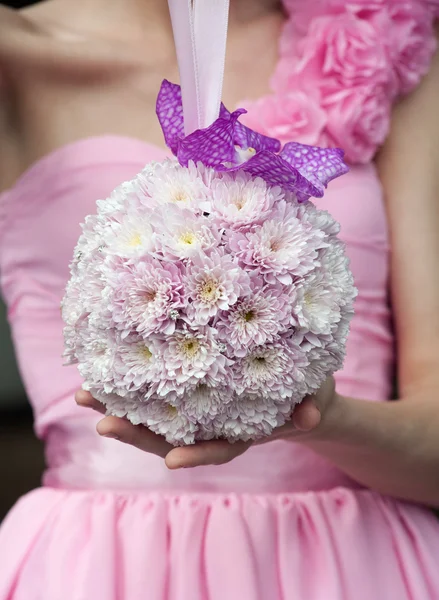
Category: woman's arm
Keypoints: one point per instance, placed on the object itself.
(394, 447)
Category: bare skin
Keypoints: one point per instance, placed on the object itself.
(71, 70)
(68, 73)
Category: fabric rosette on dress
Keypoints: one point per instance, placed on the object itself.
(351, 60)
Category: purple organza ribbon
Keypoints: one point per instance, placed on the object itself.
(198, 128)
(200, 33)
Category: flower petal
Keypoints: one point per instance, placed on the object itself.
(212, 146)
(318, 165)
(169, 110)
(247, 138)
(274, 170)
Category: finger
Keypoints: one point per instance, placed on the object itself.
(306, 415)
(215, 452)
(86, 400)
(135, 435)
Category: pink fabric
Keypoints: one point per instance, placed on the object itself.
(114, 523)
(278, 523)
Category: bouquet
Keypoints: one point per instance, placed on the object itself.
(208, 296)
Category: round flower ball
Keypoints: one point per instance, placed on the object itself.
(206, 304)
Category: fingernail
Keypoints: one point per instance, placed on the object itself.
(112, 436)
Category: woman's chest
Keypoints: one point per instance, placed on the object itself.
(95, 89)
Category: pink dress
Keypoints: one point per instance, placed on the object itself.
(278, 523)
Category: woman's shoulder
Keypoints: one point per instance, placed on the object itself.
(33, 41)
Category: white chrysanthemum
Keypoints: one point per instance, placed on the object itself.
(166, 420)
(307, 212)
(255, 319)
(97, 357)
(181, 234)
(116, 405)
(316, 307)
(139, 363)
(322, 364)
(187, 357)
(273, 370)
(89, 242)
(240, 200)
(204, 403)
(170, 183)
(335, 265)
(70, 346)
(71, 305)
(131, 237)
(213, 283)
(253, 417)
(126, 193)
(281, 248)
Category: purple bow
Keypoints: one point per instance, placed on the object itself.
(229, 146)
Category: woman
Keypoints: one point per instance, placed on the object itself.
(331, 507)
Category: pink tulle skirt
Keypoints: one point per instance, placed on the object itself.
(339, 544)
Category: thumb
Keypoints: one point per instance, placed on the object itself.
(306, 415)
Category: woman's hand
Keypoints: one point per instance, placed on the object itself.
(311, 420)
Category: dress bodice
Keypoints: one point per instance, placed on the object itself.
(39, 229)
(342, 66)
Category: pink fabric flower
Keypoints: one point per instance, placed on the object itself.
(287, 116)
(411, 42)
(360, 119)
(433, 7)
(341, 51)
(306, 11)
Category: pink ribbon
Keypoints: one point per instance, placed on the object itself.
(200, 33)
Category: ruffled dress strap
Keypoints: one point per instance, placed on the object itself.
(343, 64)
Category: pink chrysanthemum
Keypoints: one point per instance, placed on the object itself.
(166, 420)
(179, 234)
(317, 218)
(274, 370)
(213, 283)
(187, 357)
(170, 183)
(240, 200)
(117, 405)
(283, 247)
(252, 418)
(139, 363)
(146, 297)
(256, 319)
(204, 403)
(96, 351)
(131, 237)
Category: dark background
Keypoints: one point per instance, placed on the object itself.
(18, 4)
(21, 454)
